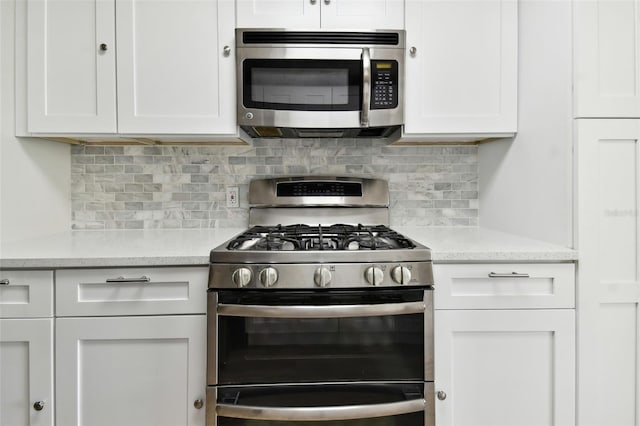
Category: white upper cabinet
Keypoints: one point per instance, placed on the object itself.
(71, 73)
(606, 48)
(175, 67)
(313, 14)
(461, 67)
(176, 72)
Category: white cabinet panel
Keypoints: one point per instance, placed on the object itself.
(461, 67)
(131, 291)
(144, 371)
(608, 194)
(607, 48)
(493, 286)
(71, 81)
(174, 74)
(505, 368)
(26, 294)
(26, 372)
(298, 14)
(314, 14)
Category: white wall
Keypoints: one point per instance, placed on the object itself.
(526, 183)
(34, 175)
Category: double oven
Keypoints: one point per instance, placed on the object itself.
(320, 324)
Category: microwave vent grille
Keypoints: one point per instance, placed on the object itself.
(321, 37)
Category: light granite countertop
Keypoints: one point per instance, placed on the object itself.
(191, 247)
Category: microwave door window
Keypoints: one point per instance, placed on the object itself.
(302, 85)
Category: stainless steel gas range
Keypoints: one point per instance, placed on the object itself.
(319, 313)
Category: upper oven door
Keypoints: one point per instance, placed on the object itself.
(259, 337)
(302, 87)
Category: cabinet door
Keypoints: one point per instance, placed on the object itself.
(71, 80)
(606, 48)
(26, 294)
(362, 14)
(176, 67)
(505, 368)
(130, 371)
(608, 236)
(26, 372)
(461, 67)
(298, 14)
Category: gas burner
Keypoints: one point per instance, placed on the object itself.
(301, 237)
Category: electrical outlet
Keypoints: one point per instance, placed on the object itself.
(232, 196)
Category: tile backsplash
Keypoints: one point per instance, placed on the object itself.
(136, 187)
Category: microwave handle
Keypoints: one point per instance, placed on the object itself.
(366, 87)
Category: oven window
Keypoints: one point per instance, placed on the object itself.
(302, 84)
(302, 350)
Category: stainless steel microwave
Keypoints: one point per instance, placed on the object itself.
(320, 83)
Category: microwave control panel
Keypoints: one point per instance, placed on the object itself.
(384, 84)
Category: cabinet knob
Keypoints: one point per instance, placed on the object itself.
(441, 395)
(327, 2)
(198, 403)
(226, 51)
(4, 281)
(313, 2)
(38, 405)
(103, 47)
(413, 51)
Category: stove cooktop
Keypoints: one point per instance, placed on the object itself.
(302, 237)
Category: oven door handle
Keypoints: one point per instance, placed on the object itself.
(345, 412)
(324, 311)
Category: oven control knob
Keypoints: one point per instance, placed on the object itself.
(268, 276)
(241, 277)
(322, 276)
(374, 275)
(401, 274)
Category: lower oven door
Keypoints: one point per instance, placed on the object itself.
(320, 337)
(355, 404)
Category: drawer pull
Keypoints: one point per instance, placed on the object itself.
(4, 281)
(507, 275)
(142, 279)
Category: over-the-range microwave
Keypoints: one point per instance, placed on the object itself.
(314, 84)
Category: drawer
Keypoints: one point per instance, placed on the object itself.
(504, 286)
(26, 294)
(131, 291)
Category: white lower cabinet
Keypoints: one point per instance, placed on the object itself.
(504, 343)
(504, 367)
(131, 371)
(26, 372)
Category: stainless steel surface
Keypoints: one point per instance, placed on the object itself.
(5, 281)
(441, 395)
(401, 275)
(413, 51)
(429, 373)
(198, 403)
(38, 405)
(268, 276)
(241, 277)
(263, 193)
(366, 87)
(212, 340)
(291, 119)
(336, 413)
(103, 47)
(507, 275)
(321, 311)
(304, 274)
(142, 279)
(226, 51)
